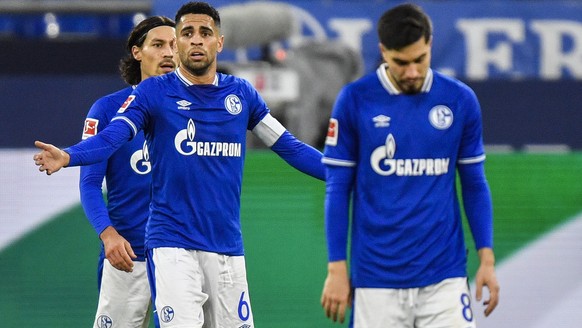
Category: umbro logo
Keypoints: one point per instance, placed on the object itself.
(381, 121)
(183, 104)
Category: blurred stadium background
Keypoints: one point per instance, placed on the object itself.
(523, 59)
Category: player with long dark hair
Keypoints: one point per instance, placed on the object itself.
(124, 293)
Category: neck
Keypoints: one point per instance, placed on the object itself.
(394, 83)
(206, 78)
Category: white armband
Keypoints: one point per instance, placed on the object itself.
(269, 130)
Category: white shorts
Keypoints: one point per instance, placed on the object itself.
(197, 289)
(445, 304)
(124, 298)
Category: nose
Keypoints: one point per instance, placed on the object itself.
(412, 71)
(169, 50)
(196, 39)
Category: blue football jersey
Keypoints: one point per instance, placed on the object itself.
(406, 220)
(196, 136)
(127, 176)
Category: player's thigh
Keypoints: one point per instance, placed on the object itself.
(445, 304)
(177, 282)
(381, 308)
(225, 283)
(124, 298)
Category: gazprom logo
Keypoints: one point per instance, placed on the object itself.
(186, 136)
(140, 160)
(187, 146)
(383, 162)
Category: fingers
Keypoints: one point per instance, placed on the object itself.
(342, 312)
(334, 310)
(479, 289)
(493, 300)
(121, 260)
(39, 157)
(42, 145)
(130, 251)
(39, 144)
(127, 264)
(123, 263)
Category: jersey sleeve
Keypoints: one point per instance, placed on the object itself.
(340, 157)
(98, 148)
(273, 134)
(300, 155)
(132, 116)
(476, 195)
(471, 147)
(258, 106)
(477, 203)
(137, 108)
(338, 187)
(341, 140)
(91, 176)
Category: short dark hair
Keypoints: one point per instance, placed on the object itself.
(403, 25)
(198, 8)
(129, 67)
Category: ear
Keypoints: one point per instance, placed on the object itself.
(381, 47)
(220, 44)
(136, 53)
(383, 51)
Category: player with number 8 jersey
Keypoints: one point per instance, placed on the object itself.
(397, 138)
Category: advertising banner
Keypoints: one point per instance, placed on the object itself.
(472, 39)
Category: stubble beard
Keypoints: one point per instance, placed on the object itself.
(410, 87)
(197, 68)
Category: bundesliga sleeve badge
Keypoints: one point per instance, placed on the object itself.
(90, 128)
(332, 132)
(126, 104)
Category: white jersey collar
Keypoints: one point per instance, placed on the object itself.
(188, 83)
(391, 88)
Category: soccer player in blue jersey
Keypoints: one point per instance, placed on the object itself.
(124, 292)
(396, 139)
(195, 122)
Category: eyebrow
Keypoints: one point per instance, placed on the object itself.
(206, 28)
(202, 28)
(158, 40)
(186, 28)
(404, 62)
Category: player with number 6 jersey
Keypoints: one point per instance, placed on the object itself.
(195, 121)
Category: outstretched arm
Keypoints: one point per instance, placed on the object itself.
(93, 150)
(300, 155)
(50, 159)
(295, 152)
